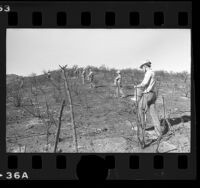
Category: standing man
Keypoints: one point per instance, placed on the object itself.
(83, 76)
(21, 82)
(118, 84)
(149, 96)
(76, 71)
(91, 78)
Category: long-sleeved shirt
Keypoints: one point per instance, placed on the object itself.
(91, 75)
(149, 81)
(83, 73)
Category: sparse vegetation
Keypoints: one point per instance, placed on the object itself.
(96, 113)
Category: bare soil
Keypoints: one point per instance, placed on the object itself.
(103, 122)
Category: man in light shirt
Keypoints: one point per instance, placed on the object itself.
(118, 84)
(83, 75)
(149, 95)
(91, 78)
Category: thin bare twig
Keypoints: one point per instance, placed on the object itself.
(68, 94)
(49, 114)
(59, 126)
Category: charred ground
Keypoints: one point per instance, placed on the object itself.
(103, 122)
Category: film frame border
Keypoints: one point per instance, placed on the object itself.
(115, 15)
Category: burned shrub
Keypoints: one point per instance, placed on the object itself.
(15, 93)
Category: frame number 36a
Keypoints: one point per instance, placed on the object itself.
(16, 175)
(4, 8)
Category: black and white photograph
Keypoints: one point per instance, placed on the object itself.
(98, 90)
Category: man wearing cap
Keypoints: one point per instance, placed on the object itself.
(149, 95)
(91, 78)
(118, 83)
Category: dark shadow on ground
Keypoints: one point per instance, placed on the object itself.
(177, 120)
(173, 121)
(150, 128)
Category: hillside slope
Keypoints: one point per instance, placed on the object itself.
(103, 122)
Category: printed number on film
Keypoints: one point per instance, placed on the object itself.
(4, 8)
(16, 175)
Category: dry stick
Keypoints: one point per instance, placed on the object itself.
(58, 89)
(47, 110)
(118, 89)
(36, 99)
(59, 125)
(163, 105)
(138, 123)
(158, 88)
(54, 84)
(160, 136)
(68, 93)
(41, 117)
(169, 125)
(38, 115)
(34, 115)
(50, 116)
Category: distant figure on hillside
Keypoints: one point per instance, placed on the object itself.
(21, 82)
(83, 75)
(76, 71)
(49, 74)
(91, 78)
(118, 84)
(149, 96)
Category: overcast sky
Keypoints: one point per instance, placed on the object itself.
(34, 50)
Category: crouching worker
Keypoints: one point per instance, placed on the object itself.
(149, 96)
(91, 78)
(118, 84)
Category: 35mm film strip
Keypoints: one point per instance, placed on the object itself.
(58, 64)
